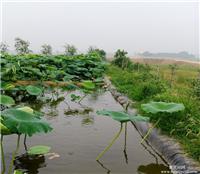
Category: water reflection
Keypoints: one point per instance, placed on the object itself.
(87, 120)
(125, 144)
(84, 117)
(29, 163)
(153, 169)
(104, 167)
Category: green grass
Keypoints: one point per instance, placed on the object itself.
(146, 86)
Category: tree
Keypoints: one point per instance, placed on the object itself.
(101, 52)
(121, 59)
(3, 48)
(70, 50)
(22, 46)
(46, 49)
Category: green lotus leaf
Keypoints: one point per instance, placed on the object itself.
(88, 85)
(33, 90)
(18, 172)
(22, 122)
(39, 150)
(6, 100)
(4, 130)
(69, 87)
(68, 77)
(156, 107)
(7, 86)
(26, 109)
(139, 118)
(122, 116)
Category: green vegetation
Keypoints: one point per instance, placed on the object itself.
(159, 112)
(153, 83)
(18, 120)
(38, 150)
(36, 73)
(53, 68)
(121, 117)
(168, 96)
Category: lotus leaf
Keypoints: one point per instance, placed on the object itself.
(7, 86)
(6, 100)
(39, 150)
(4, 130)
(122, 116)
(26, 109)
(88, 85)
(156, 107)
(17, 172)
(33, 90)
(68, 77)
(22, 122)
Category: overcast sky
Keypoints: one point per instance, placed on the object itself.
(135, 27)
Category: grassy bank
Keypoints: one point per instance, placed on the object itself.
(157, 83)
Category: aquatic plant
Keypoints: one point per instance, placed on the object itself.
(158, 108)
(33, 90)
(20, 120)
(121, 117)
(59, 67)
(6, 100)
(38, 150)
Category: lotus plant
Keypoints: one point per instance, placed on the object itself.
(19, 120)
(159, 108)
(121, 117)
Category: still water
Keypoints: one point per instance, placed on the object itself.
(76, 140)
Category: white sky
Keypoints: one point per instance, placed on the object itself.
(133, 26)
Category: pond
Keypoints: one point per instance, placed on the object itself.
(77, 139)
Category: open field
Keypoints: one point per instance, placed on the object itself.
(185, 70)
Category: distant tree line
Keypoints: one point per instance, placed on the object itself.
(22, 48)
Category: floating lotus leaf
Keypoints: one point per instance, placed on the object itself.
(33, 90)
(122, 116)
(39, 150)
(6, 100)
(155, 107)
(22, 122)
(88, 85)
